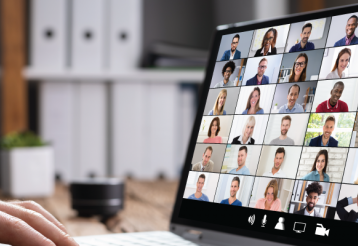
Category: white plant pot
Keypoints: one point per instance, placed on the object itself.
(27, 172)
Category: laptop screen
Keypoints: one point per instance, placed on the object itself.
(274, 149)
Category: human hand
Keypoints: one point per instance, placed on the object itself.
(27, 223)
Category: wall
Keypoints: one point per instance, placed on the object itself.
(351, 168)
(217, 155)
(231, 99)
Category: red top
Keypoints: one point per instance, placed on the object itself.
(325, 106)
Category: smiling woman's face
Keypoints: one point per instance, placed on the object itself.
(254, 99)
(268, 39)
(343, 61)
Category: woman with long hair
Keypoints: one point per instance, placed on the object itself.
(270, 201)
(247, 131)
(268, 43)
(342, 62)
(299, 69)
(318, 171)
(219, 105)
(253, 103)
(213, 132)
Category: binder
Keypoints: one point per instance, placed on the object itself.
(48, 44)
(299, 189)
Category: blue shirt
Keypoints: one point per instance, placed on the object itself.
(212, 111)
(253, 80)
(297, 47)
(227, 54)
(314, 176)
(236, 203)
(202, 198)
(261, 111)
(323, 144)
(350, 202)
(342, 41)
(296, 109)
(317, 141)
(243, 170)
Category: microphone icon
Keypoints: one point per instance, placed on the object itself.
(264, 221)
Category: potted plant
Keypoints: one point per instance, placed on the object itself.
(27, 167)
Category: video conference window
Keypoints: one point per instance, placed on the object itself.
(351, 168)
(208, 158)
(343, 30)
(234, 46)
(255, 99)
(269, 41)
(262, 70)
(299, 67)
(347, 209)
(308, 35)
(291, 98)
(271, 194)
(234, 190)
(241, 159)
(201, 186)
(316, 199)
(248, 129)
(336, 96)
(330, 129)
(318, 164)
(279, 161)
(215, 129)
(228, 73)
(222, 101)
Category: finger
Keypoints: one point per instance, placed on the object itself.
(15, 231)
(39, 223)
(38, 208)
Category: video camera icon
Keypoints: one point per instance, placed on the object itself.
(321, 231)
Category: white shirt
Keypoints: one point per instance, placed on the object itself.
(279, 174)
(232, 56)
(309, 214)
(248, 140)
(334, 75)
(262, 51)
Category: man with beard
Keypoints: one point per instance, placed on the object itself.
(198, 195)
(206, 165)
(283, 139)
(350, 37)
(291, 106)
(334, 104)
(227, 71)
(260, 78)
(235, 185)
(241, 160)
(276, 171)
(325, 140)
(313, 190)
(304, 44)
(233, 53)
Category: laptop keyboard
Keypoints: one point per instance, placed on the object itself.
(134, 239)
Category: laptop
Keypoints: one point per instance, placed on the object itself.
(273, 153)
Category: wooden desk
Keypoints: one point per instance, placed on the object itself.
(147, 207)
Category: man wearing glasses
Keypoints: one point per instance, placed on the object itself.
(233, 53)
(350, 37)
(260, 78)
(304, 44)
(314, 190)
(227, 71)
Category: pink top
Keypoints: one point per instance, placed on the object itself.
(275, 206)
(216, 139)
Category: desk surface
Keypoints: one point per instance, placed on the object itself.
(147, 207)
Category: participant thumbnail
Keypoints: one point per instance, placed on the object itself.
(248, 129)
(228, 73)
(279, 161)
(215, 129)
(269, 41)
(347, 209)
(291, 98)
(208, 157)
(351, 168)
(329, 129)
(343, 27)
(271, 194)
(299, 67)
(234, 190)
(234, 46)
(286, 129)
(221, 101)
(308, 35)
(201, 186)
(241, 159)
(319, 198)
(322, 164)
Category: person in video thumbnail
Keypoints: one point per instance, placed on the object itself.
(241, 161)
(283, 139)
(247, 131)
(334, 104)
(291, 106)
(350, 37)
(219, 105)
(213, 132)
(198, 195)
(260, 78)
(227, 71)
(299, 69)
(232, 53)
(342, 62)
(232, 200)
(206, 165)
(304, 44)
(313, 190)
(352, 215)
(319, 168)
(253, 103)
(268, 43)
(270, 202)
(276, 171)
(325, 140)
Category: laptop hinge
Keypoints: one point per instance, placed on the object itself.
(192, 235)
